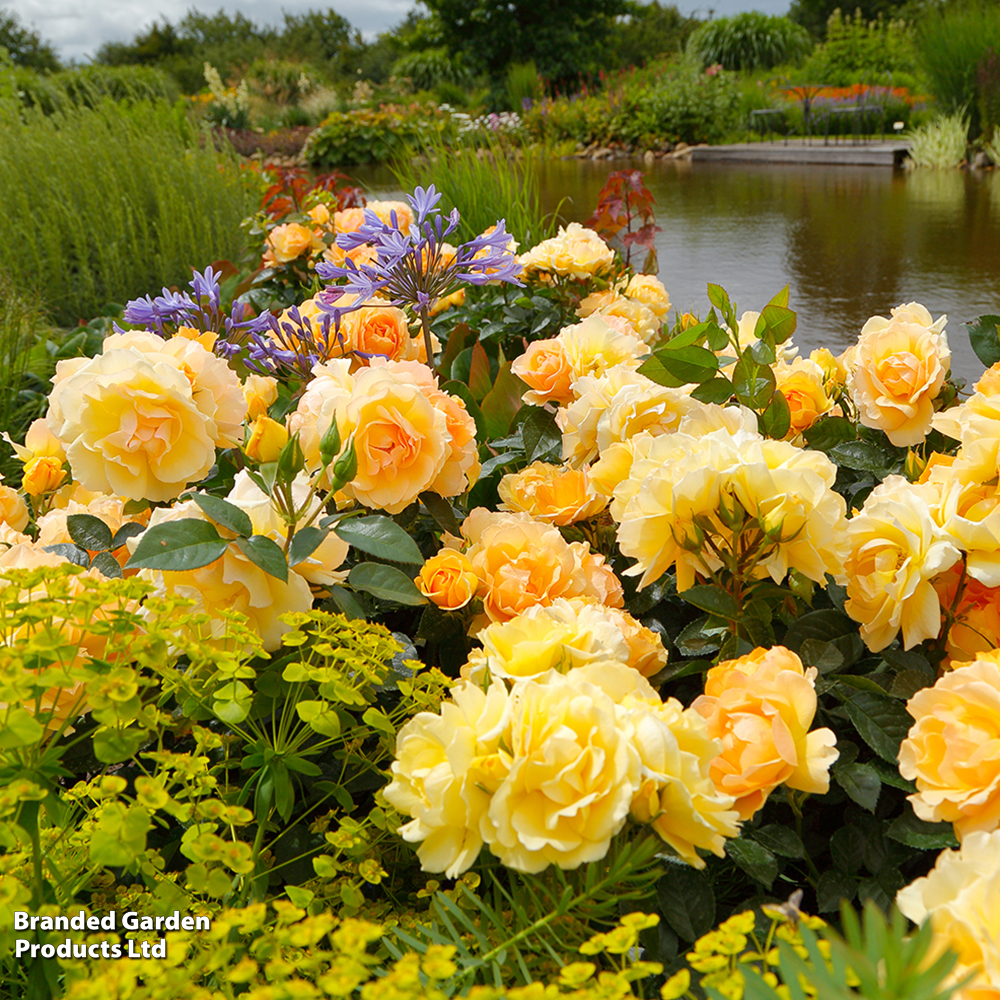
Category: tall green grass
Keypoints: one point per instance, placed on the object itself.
(941, 142)
(103, 204)
(951, 43)
(22, 324)
(496, 181)
(751, 40)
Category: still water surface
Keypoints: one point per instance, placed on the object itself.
(851, 242)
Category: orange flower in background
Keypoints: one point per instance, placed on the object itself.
(761, 707)
(448, 580)
(950, 750)
(290, 241)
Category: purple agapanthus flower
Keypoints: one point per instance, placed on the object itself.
(412, 268)
(202, 311)
(291, 344)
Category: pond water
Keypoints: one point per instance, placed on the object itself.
(851, 242)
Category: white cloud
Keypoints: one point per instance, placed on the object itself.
(77, 28)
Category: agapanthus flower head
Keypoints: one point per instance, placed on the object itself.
(292, 343)
(416, 267)
(203, 312)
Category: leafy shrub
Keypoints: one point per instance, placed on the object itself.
(749, 41)
(856, 49)
(951, 43)
(941, 142)
(101, 204)
(280, 81)
(370, 135)
(427, 69)
(679, 106)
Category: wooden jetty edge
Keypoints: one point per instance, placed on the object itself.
(881, 154)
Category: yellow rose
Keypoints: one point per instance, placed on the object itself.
(761, 707)
(961, 898)
(13, 509)
(328, 390)
(574, 252)
(802, 384)
(976, 424)
(320, 214)
(446, 302)
(650, 291)
(132, 427)
(233, 582)
(290, 241)
(545, 367)
(42, 475)
(899, 367)
(215, 387)
(560, 636)
(267, 438)
(39, 441)
(259, 392)
(447, 767)
(573, 773)
(594, 345)
(448, 580)
(640, 318)
(521, 562)
(677, 795)
(897, 548)
(970, 514)
(943, 752)
(551, 493)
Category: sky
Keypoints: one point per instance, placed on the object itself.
(77, 28)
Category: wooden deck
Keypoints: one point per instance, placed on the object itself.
(884, 154)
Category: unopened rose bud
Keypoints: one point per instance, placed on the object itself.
(44, 474)
(291, 461)
(345, 468)
(329, 445)
(914, 466)
(267, 439)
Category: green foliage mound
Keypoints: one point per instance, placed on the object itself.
(749, 41)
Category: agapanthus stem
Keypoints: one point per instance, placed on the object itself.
(425, 323)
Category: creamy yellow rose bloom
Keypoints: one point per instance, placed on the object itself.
(650, 291)
(574, 252)
(259, 392)
(132, 427)
(899, 367)
(897, 548)
(802, 383)
(947, 751)
(447, 768)
(961, 898)
(761, 707)
(327, 391)
(573, 773)
(976, 424)
(13, 509)
(287, 242)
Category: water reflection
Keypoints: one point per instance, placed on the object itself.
(850, 241)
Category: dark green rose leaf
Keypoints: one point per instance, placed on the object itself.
(175, 546)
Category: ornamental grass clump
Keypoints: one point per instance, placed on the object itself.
(102, 204)
(749, 41)
(941, 142)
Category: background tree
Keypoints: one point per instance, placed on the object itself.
(813, 14)
(25, 46)
(649, 30)
(563, 38)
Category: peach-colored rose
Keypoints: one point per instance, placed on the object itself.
(379, 329)
(899, 368)
(948, 749)
(551, 493)
(961, 898)
(329, 388)
(522, 562)
(408, 436)
(385, 209)
(976, 625)
(761, 707)
(349, 220)
(320, 214)
(290, 241)
(448, 580)
(545, 367)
